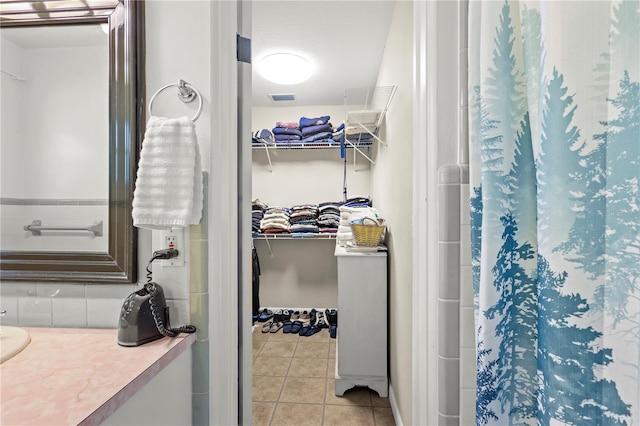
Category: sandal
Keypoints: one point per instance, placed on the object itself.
(266, 327)
(265, 315)
(296, 326)
(275, 327)
(305, 317)
(312, 330)
(286, 327)
(304, 330)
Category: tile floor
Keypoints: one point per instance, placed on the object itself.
(293, 384)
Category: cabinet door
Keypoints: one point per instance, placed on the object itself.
(362, 316)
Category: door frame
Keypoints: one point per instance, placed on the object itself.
(230, 399)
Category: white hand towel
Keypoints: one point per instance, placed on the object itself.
(168, 192)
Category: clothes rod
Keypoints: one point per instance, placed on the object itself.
(36, 228)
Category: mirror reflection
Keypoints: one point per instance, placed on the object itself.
(55, 138)
(72, 115)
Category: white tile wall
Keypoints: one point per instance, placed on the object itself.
(62, 304)
(456, 337)
(449, 331)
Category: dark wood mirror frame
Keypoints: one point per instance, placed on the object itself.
(126, 128)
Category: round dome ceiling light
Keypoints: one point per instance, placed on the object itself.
(285, 68)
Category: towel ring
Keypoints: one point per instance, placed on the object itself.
(186, 92)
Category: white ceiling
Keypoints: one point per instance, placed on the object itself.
(343, 39)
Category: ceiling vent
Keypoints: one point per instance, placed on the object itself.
(283, 97)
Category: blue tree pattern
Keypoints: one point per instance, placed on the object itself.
(572, 196)
(559, 163)
(486, 383)
(516, 310)
(568, 360)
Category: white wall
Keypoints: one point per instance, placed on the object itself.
(179, 45)
(393, 191)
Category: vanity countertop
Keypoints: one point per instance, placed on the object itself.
(78, 376)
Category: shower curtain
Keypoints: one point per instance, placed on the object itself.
(554, 107)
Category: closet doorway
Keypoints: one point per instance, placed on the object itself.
(343, 43)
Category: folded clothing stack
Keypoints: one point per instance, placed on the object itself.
(287, 132)
(359, 138)
(329, 217)
(304, 219)
(257, 213)
(263, 136)
(316, 129)
(276, 221)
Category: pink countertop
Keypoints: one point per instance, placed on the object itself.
(78, 376)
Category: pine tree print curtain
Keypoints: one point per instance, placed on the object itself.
(554, 90)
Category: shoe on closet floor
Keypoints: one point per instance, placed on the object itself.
(275, 327)
(265, 315)
(332, 316)
(305, 317)
(295, 315)
(333, 329)
(267, 327)
(296, 326)
(286, 327)
(321, 322)
(277, 316)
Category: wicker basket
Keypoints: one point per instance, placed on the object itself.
(368, 233)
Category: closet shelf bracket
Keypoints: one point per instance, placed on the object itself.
(366, 109)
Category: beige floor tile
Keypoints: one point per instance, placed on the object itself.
(303, 389)
(312, 349)
(355, 397)
(308, 367)
(340, 415)
(261, 413)
(332, 348)
(258, 343)
(379, 401)
(383, 416)
(275, 348)
(280, 336)
(257, 334)
(267, 389)
(297, 414)
(320, 336)
(271, 366)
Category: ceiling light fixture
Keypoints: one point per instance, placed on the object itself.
(285, 68)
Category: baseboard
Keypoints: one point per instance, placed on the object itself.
(394, 406)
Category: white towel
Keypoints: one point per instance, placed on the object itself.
(168, 192)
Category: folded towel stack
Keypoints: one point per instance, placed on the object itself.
(169, 189)
(316, 129)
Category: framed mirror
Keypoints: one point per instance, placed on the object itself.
(73, 117)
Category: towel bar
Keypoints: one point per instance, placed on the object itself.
(186, 93)
(36, 228)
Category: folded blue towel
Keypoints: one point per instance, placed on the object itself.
(312, 130)
(315, 121)
(286, 131)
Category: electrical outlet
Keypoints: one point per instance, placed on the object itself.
(170, 242)
(173, 239)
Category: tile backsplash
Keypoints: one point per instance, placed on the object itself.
(62, 305)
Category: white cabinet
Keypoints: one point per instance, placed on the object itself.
(361, 358)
